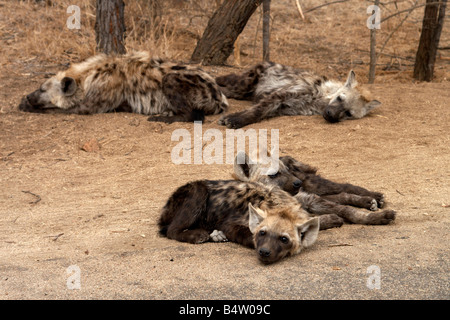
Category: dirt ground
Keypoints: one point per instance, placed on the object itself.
(63, 208)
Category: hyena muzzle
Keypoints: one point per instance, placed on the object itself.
(267, 219)
(135, 82)
(333, 202)
(279, 90)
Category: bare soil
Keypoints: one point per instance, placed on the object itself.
(61, 206)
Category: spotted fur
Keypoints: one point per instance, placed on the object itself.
(198, 211)
(279, 90)
(136, 82)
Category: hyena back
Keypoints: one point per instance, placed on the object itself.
(136, 82)
(266, 219)
(333, 202)
(279, 90)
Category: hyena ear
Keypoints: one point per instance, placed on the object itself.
(372, 105)
(68, 86)
(308, 232)
(255, 217)
(351, 80)
(296, 167)
(242, 166)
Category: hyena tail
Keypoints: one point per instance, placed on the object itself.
(184, 209)
(241, 86)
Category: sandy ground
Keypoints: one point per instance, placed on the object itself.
(68, 214)
(61, 207)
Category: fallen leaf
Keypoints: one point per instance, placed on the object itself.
(91, 146)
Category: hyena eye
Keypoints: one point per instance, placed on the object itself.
(262, 233)
(348, 114)
(339, 99)
(272, 176)
(284, 239)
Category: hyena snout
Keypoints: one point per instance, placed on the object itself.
(34, 98)
(264, 252)
(31, 102)
(297, 184)
(335, 113)
(292, 187)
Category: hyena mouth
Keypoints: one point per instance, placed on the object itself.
(329, 117)
(26, 105)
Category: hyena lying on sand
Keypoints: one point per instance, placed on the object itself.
(279, 90)
(318, 195)
(249, 213)
(136, 82)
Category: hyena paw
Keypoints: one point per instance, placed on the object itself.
(373, 205)
(379, 197)
(218, 236)
(383, 217)
(202, 237)
(232, 121)
(368, 203)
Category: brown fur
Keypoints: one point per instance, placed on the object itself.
(207, 210)
(135, 82)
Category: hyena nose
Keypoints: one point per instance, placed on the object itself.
(297, 184)
(263, 252)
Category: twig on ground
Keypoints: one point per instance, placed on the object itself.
(38, 197)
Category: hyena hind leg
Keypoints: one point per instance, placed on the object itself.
(328, 221)
(183, 213)
(190, 236)
(179, 93)
(355, 200)
(318, 205)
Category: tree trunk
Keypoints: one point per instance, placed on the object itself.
(223, 28)
(110, 26)
(266, 30)
(433, 20)
(373, 46)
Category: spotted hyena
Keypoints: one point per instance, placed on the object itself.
(267, 219)
(135, 82)
(316, 194)
(279, 90)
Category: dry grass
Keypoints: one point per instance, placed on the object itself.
(331, 40)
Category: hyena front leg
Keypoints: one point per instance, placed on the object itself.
(318, 205)
(274, 105)
(351, 192)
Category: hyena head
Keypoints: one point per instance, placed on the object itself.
(348, 102)
(58, 92)
(247, 170)
(281, 232)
